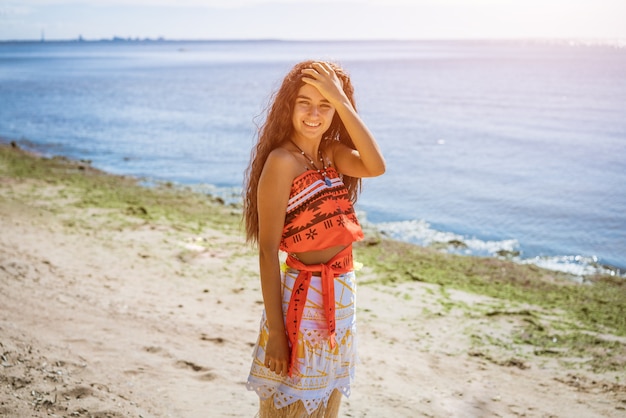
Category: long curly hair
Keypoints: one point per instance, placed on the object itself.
(278, 128)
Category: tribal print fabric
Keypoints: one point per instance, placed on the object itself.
(319, 214)
(320, 369)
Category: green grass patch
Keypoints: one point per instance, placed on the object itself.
(86, 187)
(599, 305)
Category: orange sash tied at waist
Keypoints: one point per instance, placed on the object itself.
(339, 264)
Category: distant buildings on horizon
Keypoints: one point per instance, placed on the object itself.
(113, 39)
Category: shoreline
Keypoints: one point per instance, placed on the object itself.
(578, 266)
(120, 300)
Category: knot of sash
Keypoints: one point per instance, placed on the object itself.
(339, 264)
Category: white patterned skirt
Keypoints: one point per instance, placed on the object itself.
(320, 369)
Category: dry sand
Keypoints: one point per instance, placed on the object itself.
(109, 315)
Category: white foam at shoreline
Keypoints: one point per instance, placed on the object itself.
(421, 233)
(572, 264)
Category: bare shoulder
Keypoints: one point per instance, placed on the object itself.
(280, 155)
(281, 163)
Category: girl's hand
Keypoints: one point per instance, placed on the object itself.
(277, 353)
(324, 79)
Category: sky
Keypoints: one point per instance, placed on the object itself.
(312, 19)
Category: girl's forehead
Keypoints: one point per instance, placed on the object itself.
(310, 92)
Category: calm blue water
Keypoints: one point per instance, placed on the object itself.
(514, 146)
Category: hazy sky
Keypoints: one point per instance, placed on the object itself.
(312, 19)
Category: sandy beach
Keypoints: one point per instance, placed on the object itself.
(122, 312)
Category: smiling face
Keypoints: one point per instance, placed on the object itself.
(312, 114)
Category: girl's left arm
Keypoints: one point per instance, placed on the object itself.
(367, 159)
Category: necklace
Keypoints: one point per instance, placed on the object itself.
(321, 171)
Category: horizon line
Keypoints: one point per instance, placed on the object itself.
(163, 39)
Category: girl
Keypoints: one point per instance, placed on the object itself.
(300, 187)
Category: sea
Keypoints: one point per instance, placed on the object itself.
(504, 148)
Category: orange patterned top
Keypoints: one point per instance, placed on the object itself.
(319, 214)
